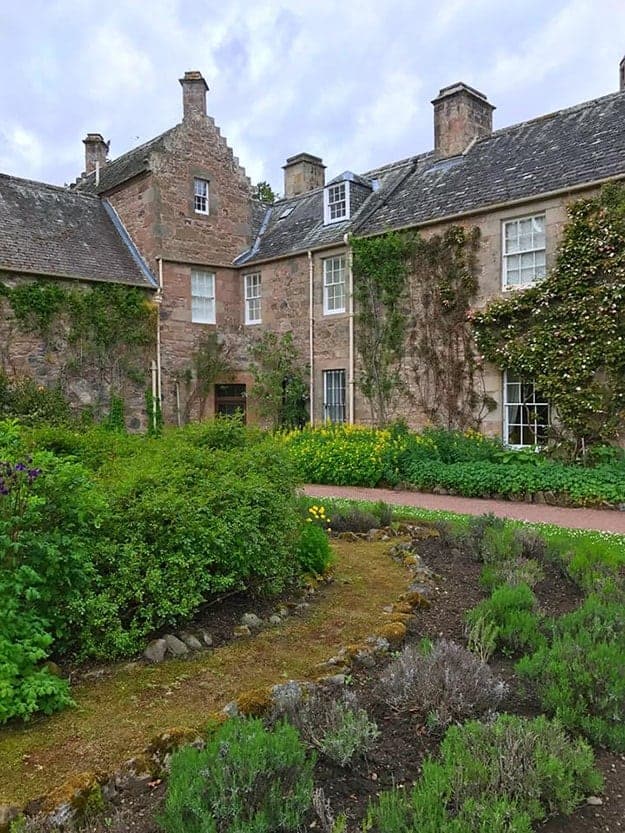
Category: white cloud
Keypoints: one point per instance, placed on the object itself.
(21, 152)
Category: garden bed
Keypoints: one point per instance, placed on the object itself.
(406, 741)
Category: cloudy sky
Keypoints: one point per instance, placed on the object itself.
(351, 82)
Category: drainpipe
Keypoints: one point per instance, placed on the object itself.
(159, 301)
(311, 336)
(350, 308)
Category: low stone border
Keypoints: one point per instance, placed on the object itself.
(84, 794)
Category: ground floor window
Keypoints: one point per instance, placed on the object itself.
(334, 396)
(526, 412)
(230, 400)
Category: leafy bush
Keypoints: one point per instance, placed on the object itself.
(313, 551)
(447, 683)
(32, 403)
(246, 780)
(96, 559)
(494, 777)
(49, 511)
(511, 610)
(184, 525)
(580, 675)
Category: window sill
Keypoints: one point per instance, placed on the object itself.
(332, 312)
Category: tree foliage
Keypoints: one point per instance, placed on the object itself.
(568, 332)
(264, 192)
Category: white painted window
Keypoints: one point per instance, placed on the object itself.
(336, 202)
(252, 298)
(524, 260)
(334, 285)
(526, 413)
(200, 196)
(334, 396)
(202, 297)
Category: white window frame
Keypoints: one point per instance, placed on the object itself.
(532, 402)
(252, 294)
(201, 195)
(329, 192)
(202, 297)
(532, 250)
(337, 393)
(333, 267)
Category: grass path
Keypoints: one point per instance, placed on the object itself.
(118, 715)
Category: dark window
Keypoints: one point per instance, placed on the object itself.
(334, 396)
(230, 400)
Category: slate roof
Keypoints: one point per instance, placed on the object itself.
(582, 144)
(125, 167)
(49, 230)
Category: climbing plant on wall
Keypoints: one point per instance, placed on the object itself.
(568, 332)
(380, 271)
(103, 332)
(412, 297)
(280, 385)
(210, 362)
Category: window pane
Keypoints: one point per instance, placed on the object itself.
(334, 395)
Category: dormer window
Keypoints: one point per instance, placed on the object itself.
(200, 196)
(336, 202)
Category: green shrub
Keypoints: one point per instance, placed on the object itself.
(580, 675)
(49, 512)
(246, 780)
(494, 777)
(313, 551)
(186, 524)
(32, 403)
(510, 609)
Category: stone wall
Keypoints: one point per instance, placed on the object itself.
(53, 361)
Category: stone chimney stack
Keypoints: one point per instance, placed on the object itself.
(461, 114)
(621, 75)
(194, 89)
(96, 150)
(303, 173)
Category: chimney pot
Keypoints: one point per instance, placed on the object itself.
(96, 150)
(461, 115)
(621, 73)
(194, 89)
(303, 172)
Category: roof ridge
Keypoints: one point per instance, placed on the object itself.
(50, 186)
(545, 116)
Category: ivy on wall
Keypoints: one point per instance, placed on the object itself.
(414, 338)
(280, 381)
(103, 332)
(568, 332)
(380, 270)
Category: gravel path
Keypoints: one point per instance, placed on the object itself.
(605, 520)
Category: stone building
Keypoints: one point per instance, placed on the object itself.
(228, 267)
(72, 241)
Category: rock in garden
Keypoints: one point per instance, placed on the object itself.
(231, 709)
(175, 646)
(192, 642)
(155, 650)
(335, 679)
(274, 619)
(251, 620)
(594, 800)
(241, 630)
(207, 639)
(283, 612)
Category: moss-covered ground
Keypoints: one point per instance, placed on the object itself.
(115, 717)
